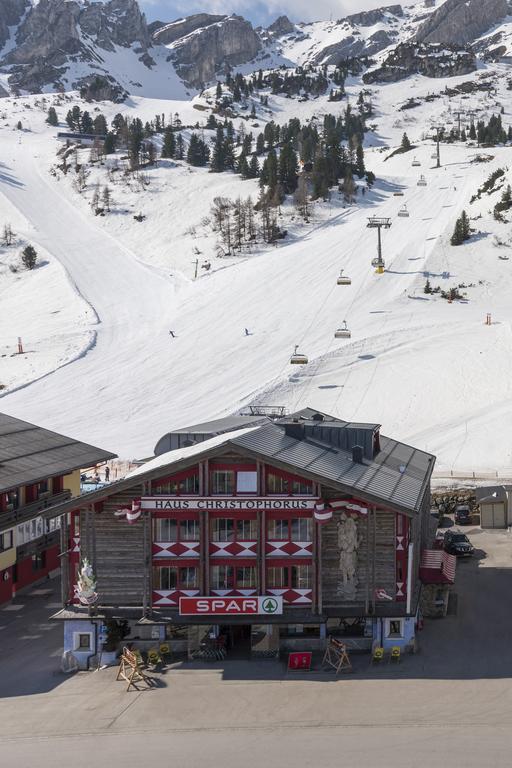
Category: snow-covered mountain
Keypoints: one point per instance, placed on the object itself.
(62, 44)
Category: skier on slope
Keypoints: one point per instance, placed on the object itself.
(171, 333)
(246, 331)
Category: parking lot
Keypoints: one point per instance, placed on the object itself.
(450, 704)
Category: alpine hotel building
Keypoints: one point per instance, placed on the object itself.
(324, 517)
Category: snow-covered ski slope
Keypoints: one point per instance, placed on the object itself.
(430, 372)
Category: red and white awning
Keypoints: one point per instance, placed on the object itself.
(437, 567)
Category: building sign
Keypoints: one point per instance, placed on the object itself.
(229, 504)
(266, 605)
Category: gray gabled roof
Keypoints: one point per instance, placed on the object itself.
(29, 453)
(397, 475)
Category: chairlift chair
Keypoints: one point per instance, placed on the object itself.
(343, 332)
(434, 156)
(415, 163)
(403, 211)
(422, 182)
(297, 358)
(343, 280)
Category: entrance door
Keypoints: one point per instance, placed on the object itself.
(239, 640)
(493, 516)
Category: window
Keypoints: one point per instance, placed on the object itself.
(175, 578)
(6, 540)
(278, 529)
(277, 484)
(166, 530)
(223, 529)
(84, 642)
(42, 487)
(38, 561)
(222, 482)
(395, 628)
(184, 486)
(290, 577)
(246, 577)
(300, 577)
(277, 577)
(301, 529)
(246, 482)
(12, 499)
(247, 530)
(176, 530)
(222, 577)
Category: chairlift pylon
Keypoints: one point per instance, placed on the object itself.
(298, 358)
(343, 279)
(343, 332)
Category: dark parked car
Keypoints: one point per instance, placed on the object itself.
(462, 515)
(457, 543)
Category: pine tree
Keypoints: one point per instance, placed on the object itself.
(472, 132)
(465, 228)
(169, 144)
(457, 236)
(360, 169)
(52, 118)
(106, 198)
(406, 144)
(287, 172)
(254, 167)
(29, 257)
(428, 287)
(218, 157)
(198, 152)
(100, 125)
(86, 124)
(180, 147)
(8, 235)
(218, 92)
(109, 145)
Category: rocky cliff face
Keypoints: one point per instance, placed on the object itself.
(429, 60)
(369, 18)
(11, 12)
(461, 21)
(56, 31)
(169, 33)
(281, 26)
(199, 56)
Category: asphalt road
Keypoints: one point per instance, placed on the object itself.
(450, 705)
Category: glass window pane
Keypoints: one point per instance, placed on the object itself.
(278, 529)
(188, 578)
(166, 530)
(189, 530)
(222, 482)
(223, 529)
(277, 577)
(247, 530)
(222, 577)
(165, 578)
(301, 529)
(301, 577)
(246, 577)
(301, 488)
(276, 484)
(190, 485)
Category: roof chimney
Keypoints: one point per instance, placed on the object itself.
(357, 454)
(294, 429)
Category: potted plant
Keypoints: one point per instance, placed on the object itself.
(116, 631)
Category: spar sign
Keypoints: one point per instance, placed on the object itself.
(266, 605)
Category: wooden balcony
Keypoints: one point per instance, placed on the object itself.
(28, 511)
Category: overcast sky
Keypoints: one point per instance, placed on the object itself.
(257, 11)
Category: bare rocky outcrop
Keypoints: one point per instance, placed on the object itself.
(429, 60)
(354, 45)
(169, 33)
(369, 18)
(461, 21)
(199, 56)
(281, 26)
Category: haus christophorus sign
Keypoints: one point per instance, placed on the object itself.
(265, 605)
(229, 503)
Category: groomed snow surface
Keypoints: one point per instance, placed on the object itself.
(432, 373)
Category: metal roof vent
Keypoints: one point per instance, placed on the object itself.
(294, 429)
(357, 454)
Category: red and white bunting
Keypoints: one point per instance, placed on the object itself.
(349, 506)
(322, 513)
(132, 514)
